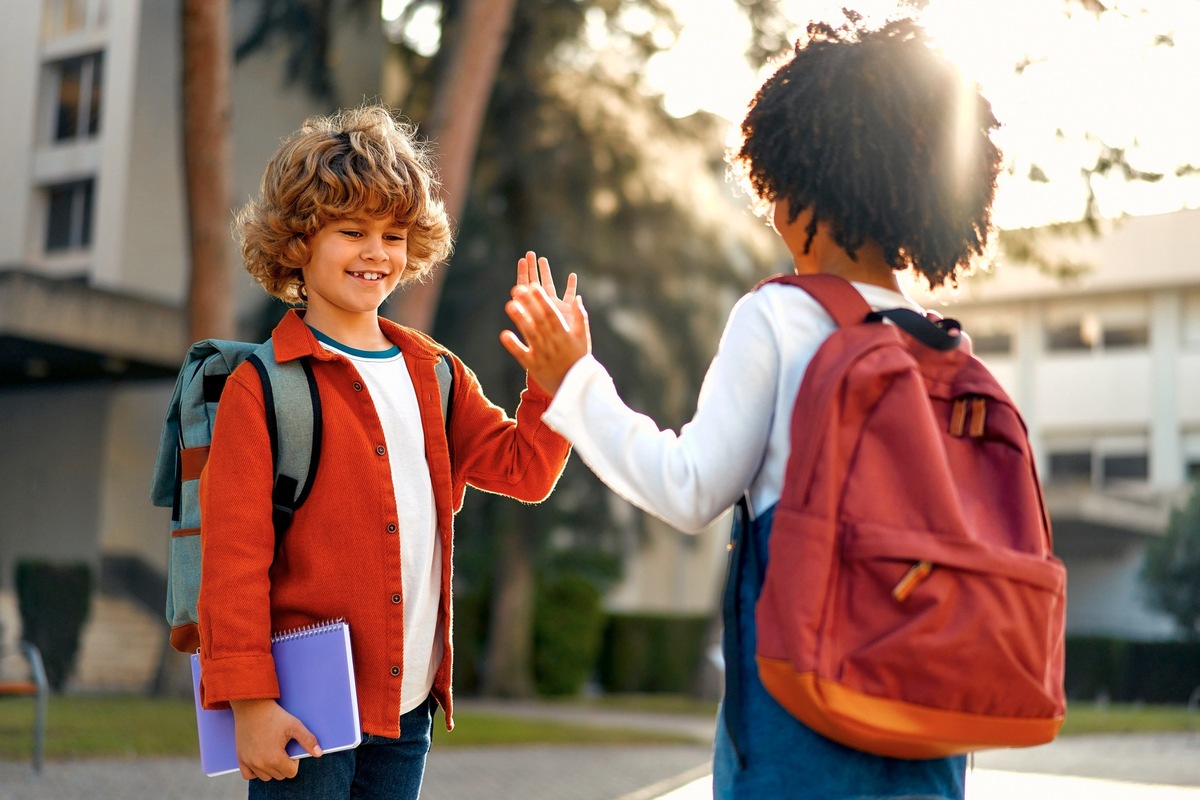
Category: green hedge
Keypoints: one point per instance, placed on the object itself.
(1125, 671)
(649, 653)
(54, 600)
(567, 623)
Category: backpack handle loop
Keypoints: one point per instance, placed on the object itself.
(940, 334)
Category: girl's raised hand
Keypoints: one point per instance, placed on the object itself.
(554, 339)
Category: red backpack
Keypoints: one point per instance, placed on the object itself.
(911, 605)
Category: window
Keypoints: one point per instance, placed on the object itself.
(1117, 336)
(77, 109)
(992, 332)
(1191, 318)
(1109, 325)
(1125, 468)
(69, 216)
(63, 17)
(992, 343)
(1076, 334)
(1071, 466)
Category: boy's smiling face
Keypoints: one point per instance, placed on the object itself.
(354, 264)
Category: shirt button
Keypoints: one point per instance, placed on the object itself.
(395, 671)
(380, 450)
(357, 386)
(396, 599)
(391, 527)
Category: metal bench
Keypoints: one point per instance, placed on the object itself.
(27, 681)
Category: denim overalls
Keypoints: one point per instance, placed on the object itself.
(762, 751)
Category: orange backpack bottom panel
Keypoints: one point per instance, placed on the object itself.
(185, 638)
(892, 727)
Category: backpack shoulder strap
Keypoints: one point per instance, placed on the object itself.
(847, 307)
(293, 408)
(445, 379)
(834, 294)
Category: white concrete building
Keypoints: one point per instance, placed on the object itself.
(93, 269)
(1105, 368)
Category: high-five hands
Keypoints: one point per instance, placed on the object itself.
(555, 332)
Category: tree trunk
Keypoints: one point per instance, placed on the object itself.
(509, 670)
(207, 59)
(454, 123)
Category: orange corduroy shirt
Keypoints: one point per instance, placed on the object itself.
(341, 555)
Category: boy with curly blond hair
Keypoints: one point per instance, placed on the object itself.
(348, 213)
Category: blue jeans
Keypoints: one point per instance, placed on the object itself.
(762, 751)
(378, 768)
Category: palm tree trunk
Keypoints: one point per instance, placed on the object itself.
(207, 59)
(454, 123)
(509, 670)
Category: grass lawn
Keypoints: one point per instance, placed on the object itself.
(127, 726)
(119, 726)
(1122, 718)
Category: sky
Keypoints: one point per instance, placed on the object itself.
(1087, 79)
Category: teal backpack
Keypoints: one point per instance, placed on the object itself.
(293, 409)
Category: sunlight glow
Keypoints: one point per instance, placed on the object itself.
(1085, 83)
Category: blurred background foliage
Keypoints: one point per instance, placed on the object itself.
(577, 161)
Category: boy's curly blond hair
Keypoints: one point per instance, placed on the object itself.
(356, 161)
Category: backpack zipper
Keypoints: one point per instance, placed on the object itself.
(913, 578)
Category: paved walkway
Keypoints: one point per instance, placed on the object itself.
(1147, 767)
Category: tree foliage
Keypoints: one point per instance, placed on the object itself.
(1171, 572)
(577, 161)
(305, 30)
(579, 164)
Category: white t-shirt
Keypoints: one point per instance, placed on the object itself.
(738, 441)
(391, 389)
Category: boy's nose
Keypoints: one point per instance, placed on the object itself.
(373, 249)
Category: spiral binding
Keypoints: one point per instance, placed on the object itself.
(307, 630)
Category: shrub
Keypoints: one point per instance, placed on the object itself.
(54, 600)
(1125, 671)
(567, 626)
(652, 653)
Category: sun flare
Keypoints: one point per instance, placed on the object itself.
(1064, 86)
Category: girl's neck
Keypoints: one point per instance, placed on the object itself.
(824, 255)
(867, 266)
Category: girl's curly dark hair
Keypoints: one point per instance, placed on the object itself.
(357, 161)
(881, 138)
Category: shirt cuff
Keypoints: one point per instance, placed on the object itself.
(568, 400)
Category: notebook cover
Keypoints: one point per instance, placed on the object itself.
(316, 685)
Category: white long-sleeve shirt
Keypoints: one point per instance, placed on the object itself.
(738, 440)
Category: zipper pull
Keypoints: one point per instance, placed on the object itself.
(918, 573)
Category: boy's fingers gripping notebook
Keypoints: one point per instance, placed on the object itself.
(316, 685)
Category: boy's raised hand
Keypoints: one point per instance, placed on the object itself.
(555, 332)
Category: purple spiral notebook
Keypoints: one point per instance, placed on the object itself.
(316, 685)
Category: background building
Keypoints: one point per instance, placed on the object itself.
(93, 269)
(1105, 368)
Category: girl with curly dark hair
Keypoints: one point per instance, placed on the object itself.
(870, 155)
